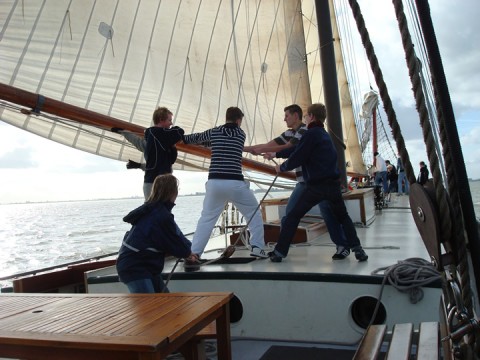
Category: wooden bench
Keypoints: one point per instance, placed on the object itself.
(71, 279)
(401, 343)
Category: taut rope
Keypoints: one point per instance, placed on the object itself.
(440, 192)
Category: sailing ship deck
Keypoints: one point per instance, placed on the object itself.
(309, 297)
(392, 237)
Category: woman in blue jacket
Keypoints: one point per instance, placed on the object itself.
(154, 233)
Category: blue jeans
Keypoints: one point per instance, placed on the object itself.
(147, 286)
(334, 228)
(403, 177)
(310, 196)
(382, 176)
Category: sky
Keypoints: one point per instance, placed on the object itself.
(34, 169)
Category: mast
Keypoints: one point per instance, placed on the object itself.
(329, 76)
(374, 131)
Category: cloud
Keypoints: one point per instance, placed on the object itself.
(457, 34)
(458, 42)
(18, 158)
(471, 151)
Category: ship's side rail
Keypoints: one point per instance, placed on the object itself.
(401, 343)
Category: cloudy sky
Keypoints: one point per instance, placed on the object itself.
(34, 169)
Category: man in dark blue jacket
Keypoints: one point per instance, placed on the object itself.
(317, 156)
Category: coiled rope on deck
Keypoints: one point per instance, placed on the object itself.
(409, 276)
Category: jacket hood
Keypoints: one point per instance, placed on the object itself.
(135, 215)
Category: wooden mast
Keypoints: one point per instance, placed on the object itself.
(329, 76)
(374, 132)
(44, 104)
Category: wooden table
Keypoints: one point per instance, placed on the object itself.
(109, 326)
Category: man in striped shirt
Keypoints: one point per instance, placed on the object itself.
(226, 183)
(290, 138)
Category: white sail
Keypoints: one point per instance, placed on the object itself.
(370, 103)
(124, 58)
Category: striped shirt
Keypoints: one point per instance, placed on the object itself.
(227, 143)
(293, 137)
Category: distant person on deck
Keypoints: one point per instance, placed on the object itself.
(392, 177)
(226, 183)
(317, 156)
(290, 138)
(381, 174)
(402, 178)
(157, 145)
(423, 175)
(154, 233)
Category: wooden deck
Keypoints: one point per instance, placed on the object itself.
(392, 237)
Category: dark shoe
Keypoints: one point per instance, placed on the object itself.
(341, 253)
(274, 257)
(191, 265)
(360, 255)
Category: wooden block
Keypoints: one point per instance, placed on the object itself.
(369, 347)
(360, 204)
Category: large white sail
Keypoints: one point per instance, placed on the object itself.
(124, 58)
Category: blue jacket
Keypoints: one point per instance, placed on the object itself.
(153, 234)
(316, 154)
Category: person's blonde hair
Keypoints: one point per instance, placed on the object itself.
(160, 114)
(163, 189)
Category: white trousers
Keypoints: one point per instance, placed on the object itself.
(218, 192)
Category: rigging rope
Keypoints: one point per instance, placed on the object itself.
(352, 72)
(440, 192)
(387, 102)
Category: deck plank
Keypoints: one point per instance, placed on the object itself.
(401, 342)
(428, 343)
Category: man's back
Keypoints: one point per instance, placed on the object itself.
(227, 146)
(160, 152)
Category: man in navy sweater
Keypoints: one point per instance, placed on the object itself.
(157, 145)
(317, 156)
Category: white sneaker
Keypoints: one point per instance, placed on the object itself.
(257, 252)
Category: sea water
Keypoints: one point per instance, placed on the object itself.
(39, 235)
